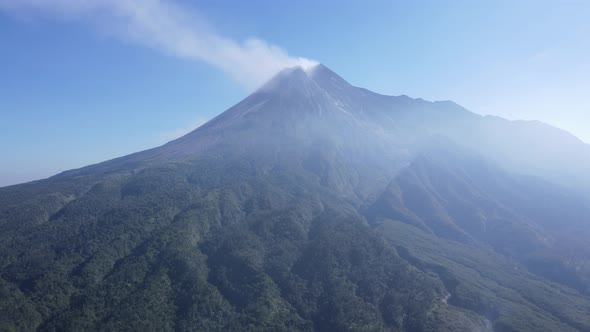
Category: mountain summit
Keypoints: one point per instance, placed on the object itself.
(311, 205)
(296, 93)
(316, 104)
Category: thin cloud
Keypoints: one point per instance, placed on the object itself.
(171, 28)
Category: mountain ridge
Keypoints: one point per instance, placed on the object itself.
(286, 214)
(383, 113)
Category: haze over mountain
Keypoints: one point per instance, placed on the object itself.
(311, 205)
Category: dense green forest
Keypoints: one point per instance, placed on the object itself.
(156, 251)
(209, 246)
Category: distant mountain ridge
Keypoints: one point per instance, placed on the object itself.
(311, 205)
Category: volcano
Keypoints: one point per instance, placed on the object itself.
(311, 205)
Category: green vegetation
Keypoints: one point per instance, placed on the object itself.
(203, 248)
(265, 241)
(495, 287)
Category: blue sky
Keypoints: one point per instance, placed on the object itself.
(79, 85)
